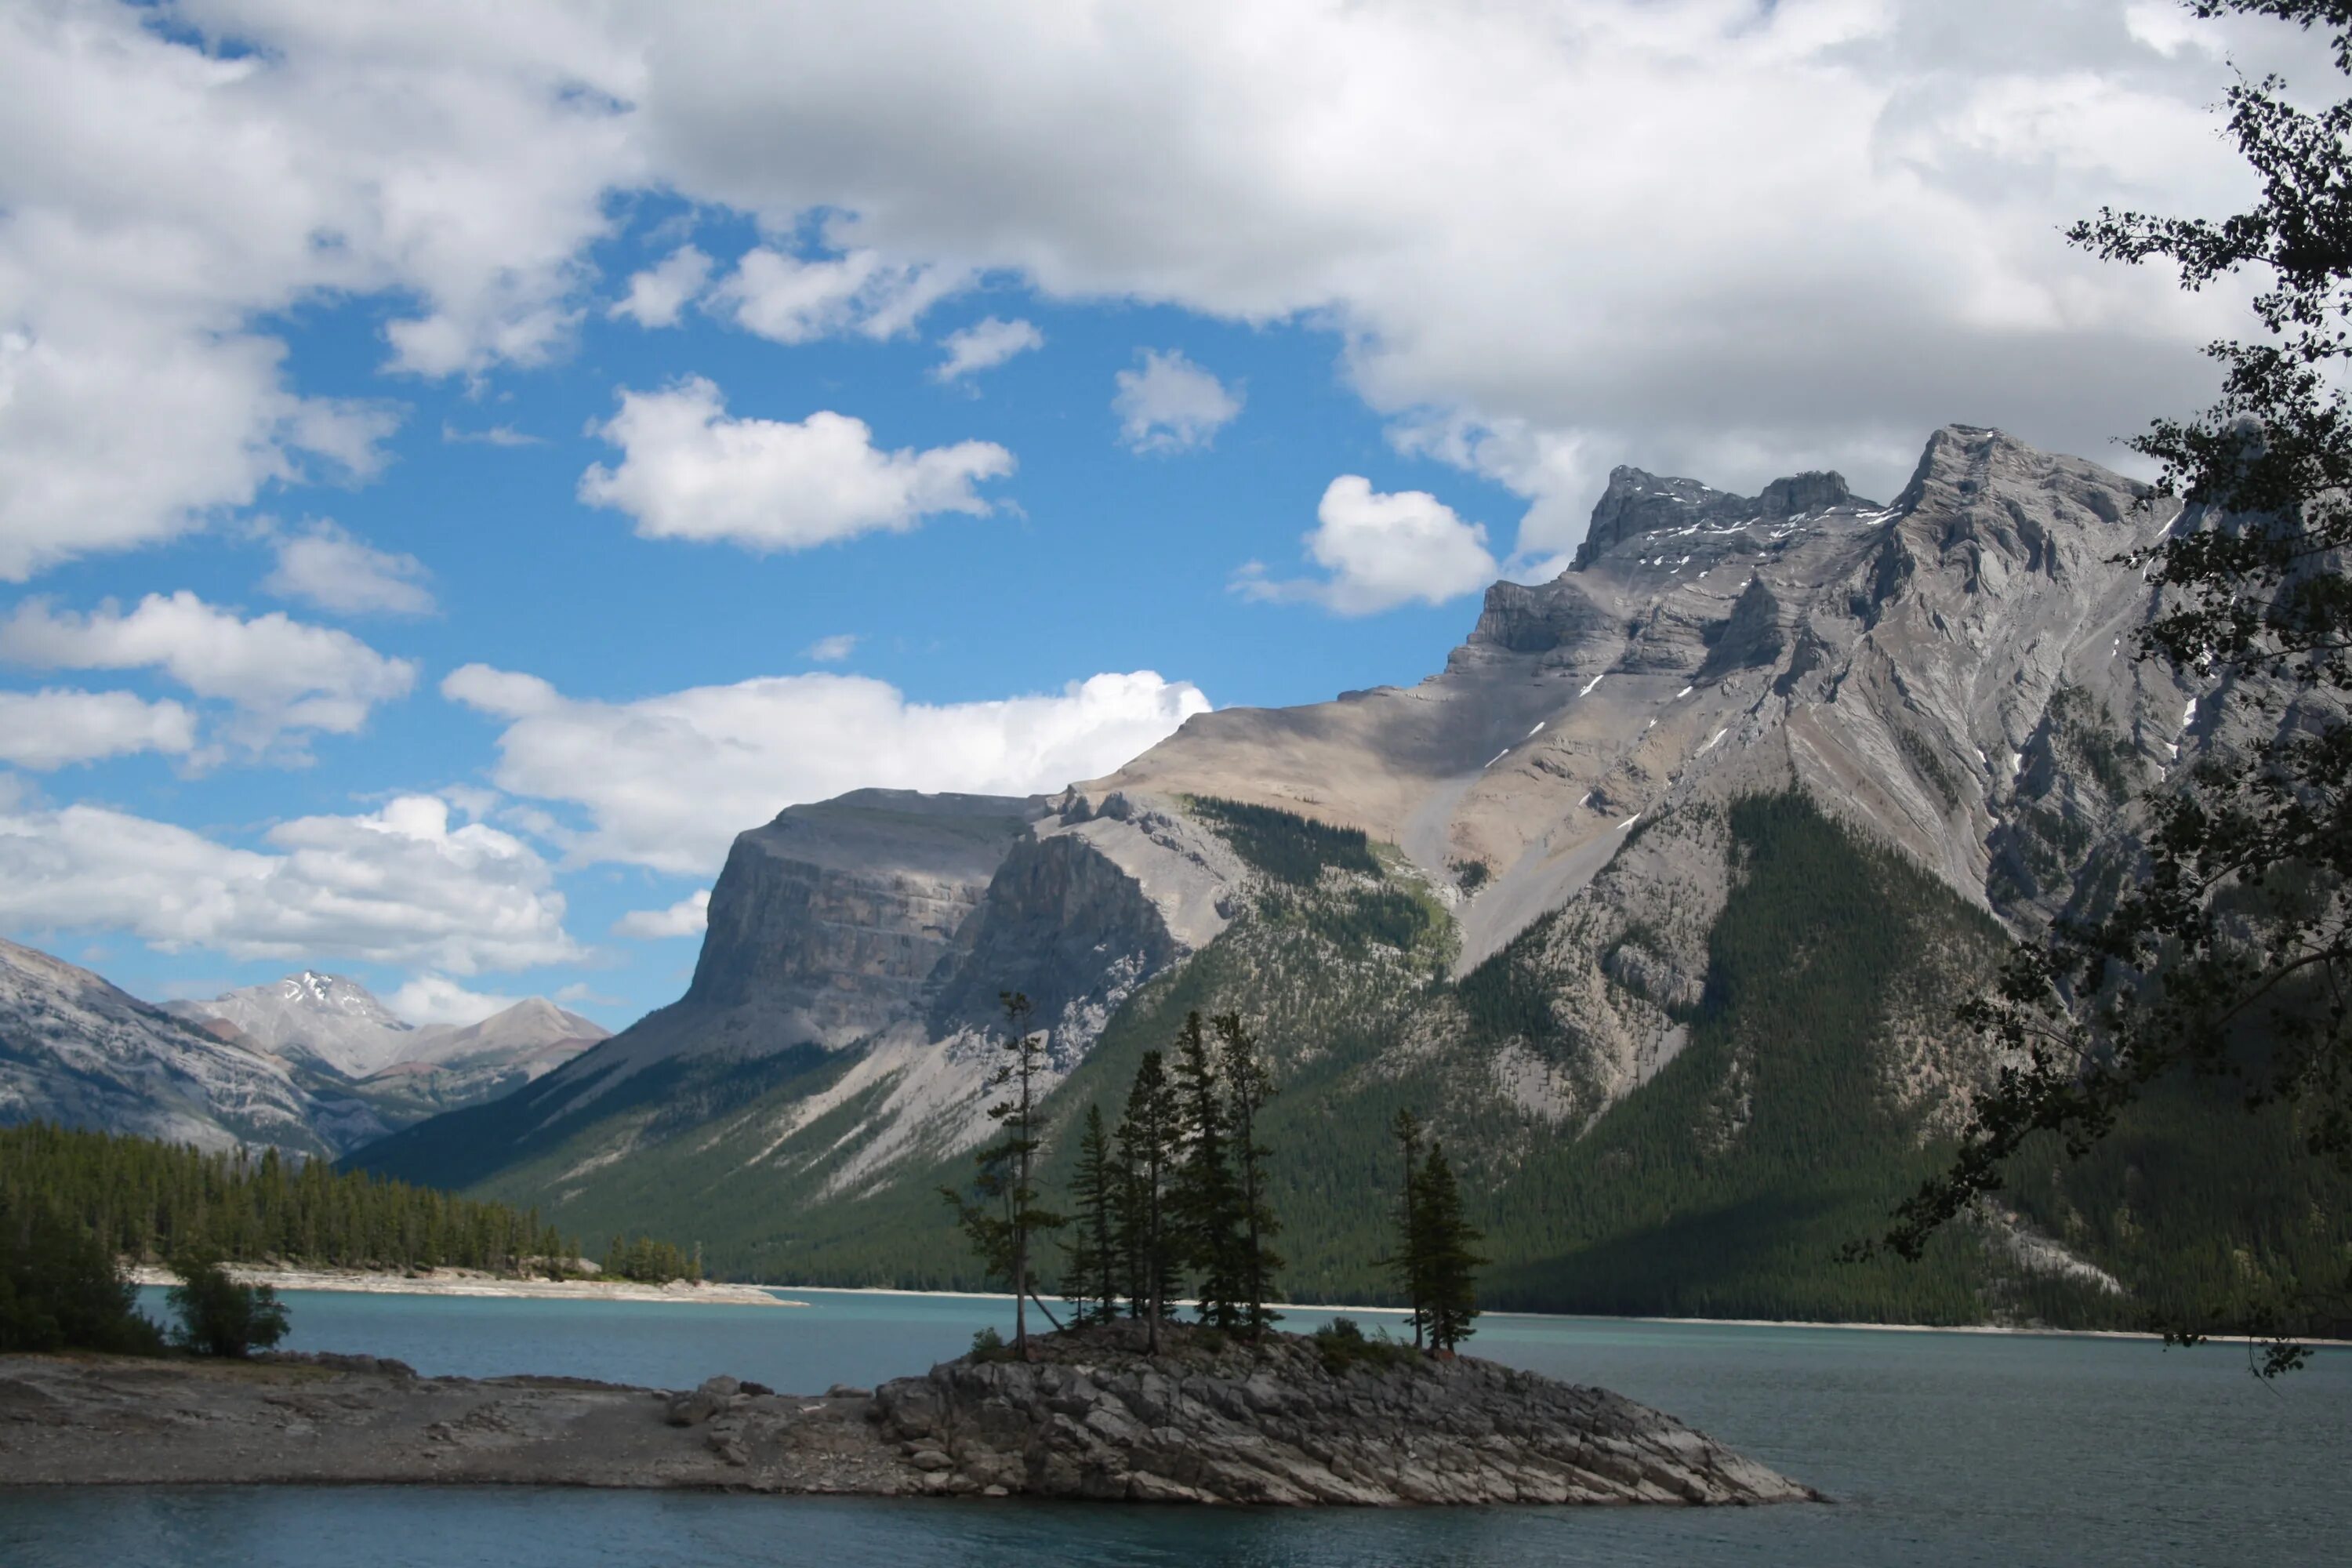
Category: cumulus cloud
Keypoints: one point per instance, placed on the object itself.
(284, 678)
(658, 295)
(398, 886)
(687, 917)
(162, 196)
(438, 999)
(1171, 404)
(689, 472)
(833, 649)
(792, 301)
(1382, 551)
(985, 345)
(326, 566)
(666, 780)
(1685, 233)
(1698, 235)
(50, 728)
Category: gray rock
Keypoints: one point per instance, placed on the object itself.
(1272, 1425)
(716, 1394)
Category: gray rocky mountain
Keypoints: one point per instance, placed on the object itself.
(74, 1049)
(328, 1017)
(1564, 832)
(348, 1046)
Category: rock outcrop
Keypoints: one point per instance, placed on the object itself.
(1092, 1419)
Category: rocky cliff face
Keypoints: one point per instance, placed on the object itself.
(827, 923)
(1901, 663)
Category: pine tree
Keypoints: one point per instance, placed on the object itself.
(1005, 1224)
(1446, 1247)
(1207, 1198)
(1149, 1138)
(1091, 1281)
(1408, 1259)
(1248, 1088)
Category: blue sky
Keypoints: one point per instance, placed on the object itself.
(417, 429)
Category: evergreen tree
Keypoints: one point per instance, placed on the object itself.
(1149, 1138)
(1091, 1282)
(1003, 1226)
(1408, 1260)
(1207, 1198)
(1248, 1087)
(1445, 1246)
(59, 1288)
(219, 1316)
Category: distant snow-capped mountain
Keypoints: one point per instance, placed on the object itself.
(312, 1062)
(76, 1050)
(337, 1036)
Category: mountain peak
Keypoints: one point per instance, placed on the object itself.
(1638, 502)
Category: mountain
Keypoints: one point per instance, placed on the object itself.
(76, 1050)
(1655, 900)
(332, 1019)
(344, 1043)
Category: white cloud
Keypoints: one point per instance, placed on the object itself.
(327, 566)
(658, 295)
(488, 435)
(49, 729)
(438, 999)
(398, 886)
(1171, 404)
(1677, 231)
(284, 677)
(985, 345)
(668, 780)
(687, 917)
(833, 649)
(1382, 551)
(1692, 234)
(688, 471)
(790, 300)
(161, 197)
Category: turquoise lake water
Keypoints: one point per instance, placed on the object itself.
(1939, 1448)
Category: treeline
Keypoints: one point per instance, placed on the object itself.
(650, 1262)
(152, 1201)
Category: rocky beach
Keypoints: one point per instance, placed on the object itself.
(1092, 1417)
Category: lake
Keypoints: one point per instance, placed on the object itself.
(1939, 1448)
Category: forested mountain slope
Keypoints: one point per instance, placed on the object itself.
(1656, 901)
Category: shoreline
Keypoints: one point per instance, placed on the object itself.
(736, 1293)
(1352, 1309)
(1099, 1418)
(466, 1282)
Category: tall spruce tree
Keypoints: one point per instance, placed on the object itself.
(1248, 1087)
(1445, 1245)
(1408, 1260)
(1005, 1224)
(1148, 1138)
(1207, 1198)
(1091, 1280)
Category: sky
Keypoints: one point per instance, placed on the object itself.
(460, 465)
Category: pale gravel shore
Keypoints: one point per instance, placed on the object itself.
(466, 1282)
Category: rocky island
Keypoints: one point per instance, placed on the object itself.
(1092, 1417)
